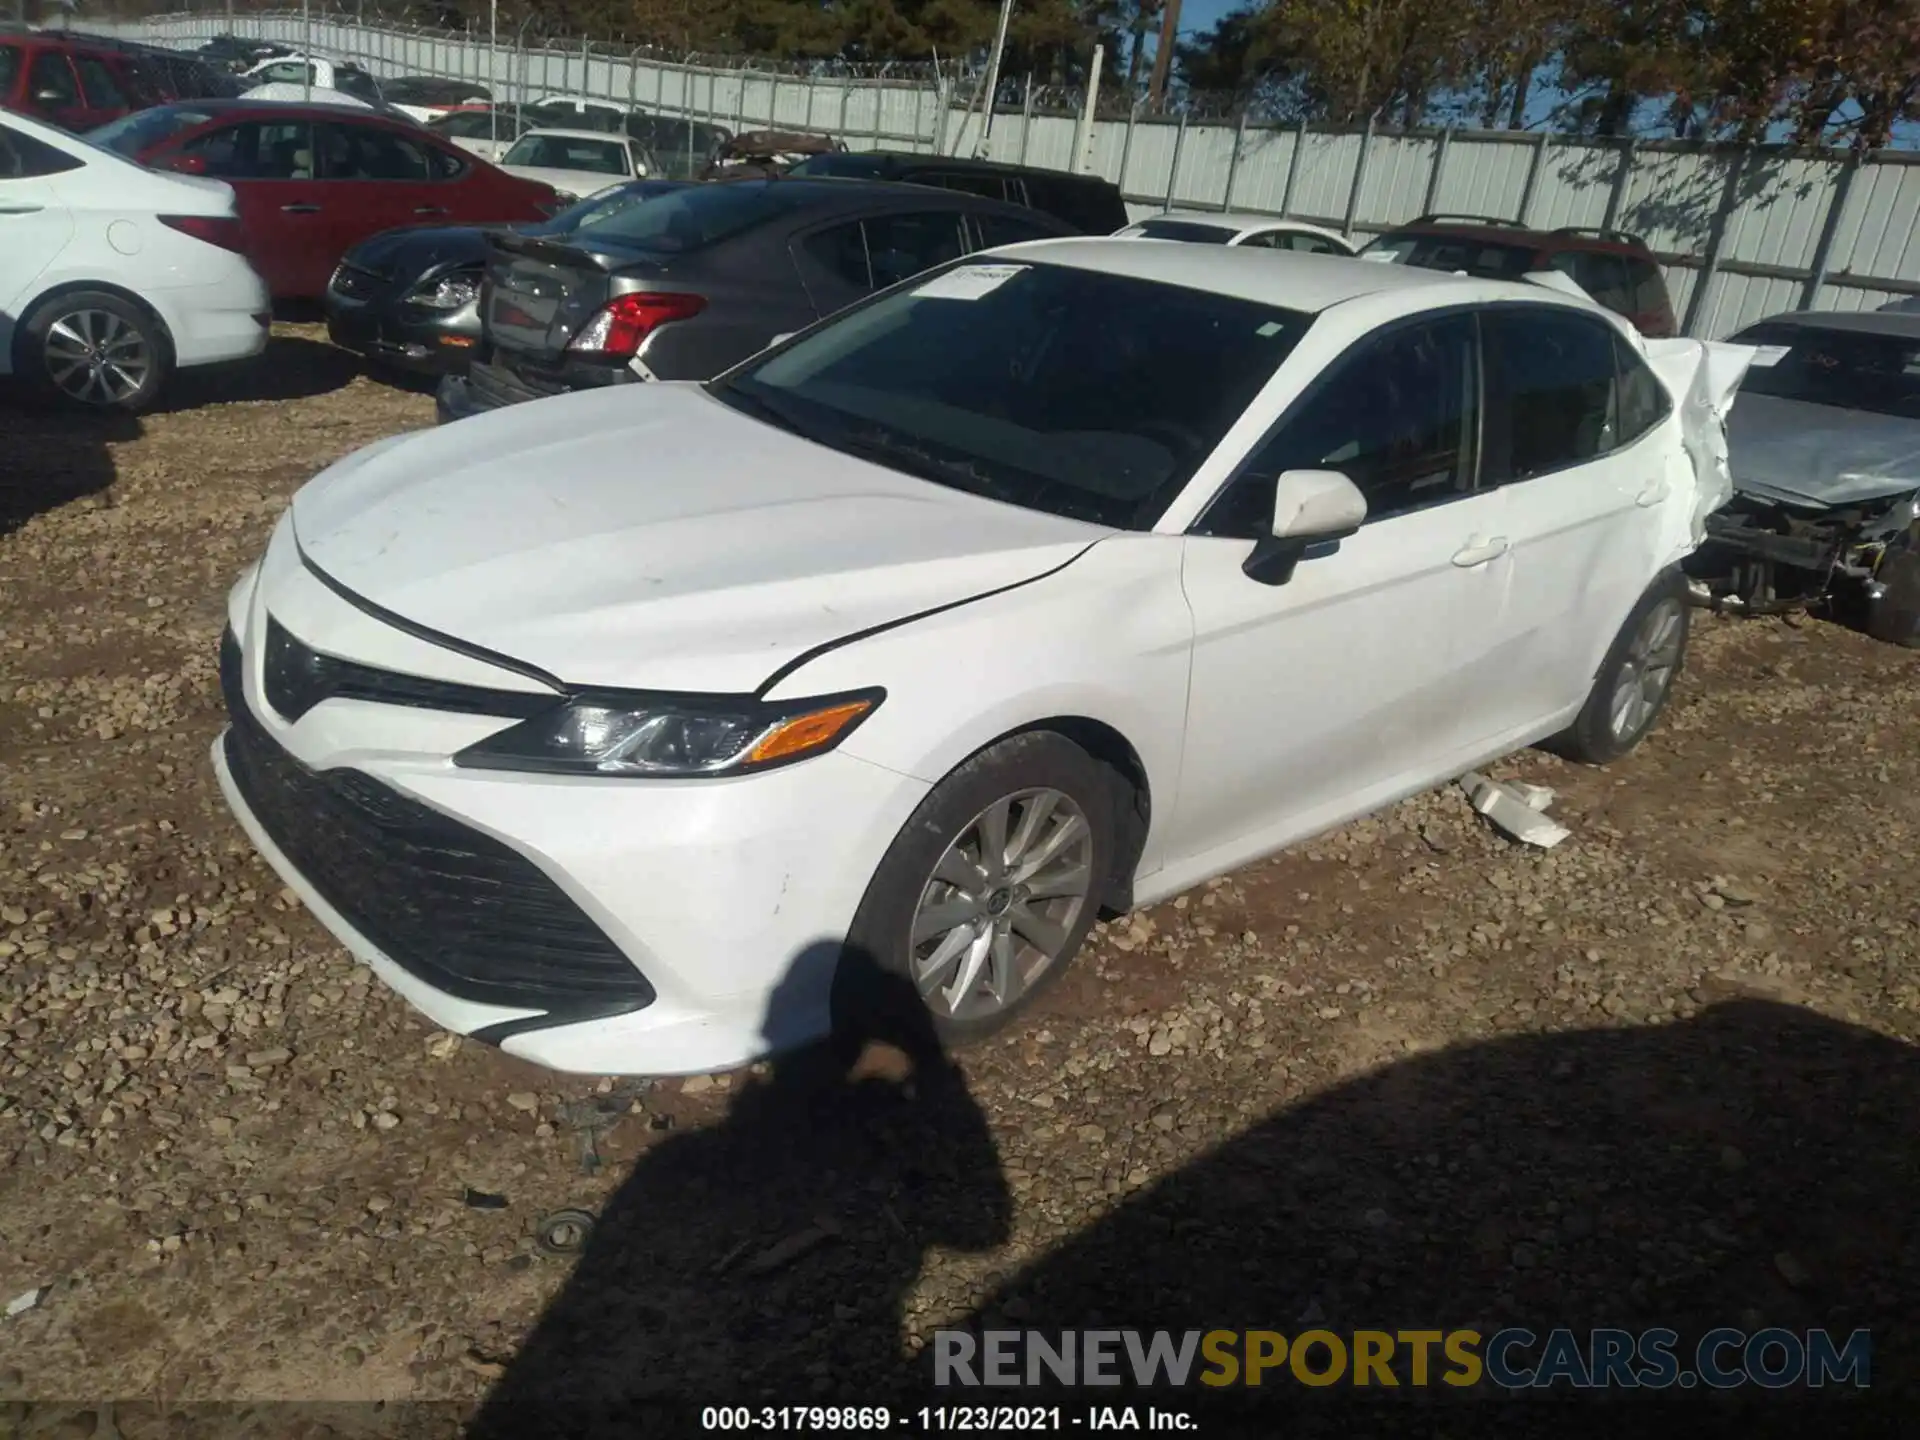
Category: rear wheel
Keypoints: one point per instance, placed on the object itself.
(990, 889)
(1636, 678)
(94, 349)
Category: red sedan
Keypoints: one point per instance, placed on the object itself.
(314, 180)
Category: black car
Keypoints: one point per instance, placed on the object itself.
(1091, 205)
(406, 299)
(687, 285)
(238, 53)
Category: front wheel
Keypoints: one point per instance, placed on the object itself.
(94, 349)
(990, 889)
(1636, 679)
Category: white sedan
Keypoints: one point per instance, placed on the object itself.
(577, 163)
(112, 276)
(1048, 583)
(1228, 227)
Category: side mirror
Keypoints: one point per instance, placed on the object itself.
(185, 164)
(1310, 507)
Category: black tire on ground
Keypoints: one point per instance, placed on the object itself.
(1895, 616)
(125, 332)
(880, 936)
(1593, 738)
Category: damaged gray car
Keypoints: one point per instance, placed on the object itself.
(1824, 445)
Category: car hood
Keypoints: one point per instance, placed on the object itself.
(574, 182)
(650, 537)
(1820, 456)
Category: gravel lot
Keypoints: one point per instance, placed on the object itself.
(1410, 1075)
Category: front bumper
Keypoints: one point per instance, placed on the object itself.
(596, 927)
(440, 343)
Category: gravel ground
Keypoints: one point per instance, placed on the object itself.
(1408, 1075)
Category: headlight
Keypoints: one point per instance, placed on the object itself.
(449, 292)
(602, 735)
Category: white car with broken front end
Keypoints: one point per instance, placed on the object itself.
(605, 728)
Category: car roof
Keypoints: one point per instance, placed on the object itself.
(1502, 232)
(254, 106)
(610, 136)
(967, 162)
(1240, 222)
(1282, 278)
(1903, 325)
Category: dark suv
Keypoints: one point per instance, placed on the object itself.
(1615, 268)
(1087, 203)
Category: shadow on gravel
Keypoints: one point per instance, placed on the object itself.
(292, 367)
(1757, 1166)
(768, 1260)
(51, 457)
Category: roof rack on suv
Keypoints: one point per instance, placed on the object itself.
(1600, 232)
(1451, 217)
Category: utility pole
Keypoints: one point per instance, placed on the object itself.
(1163, 55)
(993, 73)
(493, 81)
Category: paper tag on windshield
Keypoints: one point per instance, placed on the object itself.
(969, 282)
(1766, 355)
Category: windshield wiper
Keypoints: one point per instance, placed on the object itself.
(881, 447)
(761, 408)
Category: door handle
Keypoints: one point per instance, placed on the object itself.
(430, 210)
(300, 209)
(1481, 552)
(21, 209)
(1653, 494)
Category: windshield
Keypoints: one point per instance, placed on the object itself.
(1077, 392)
(1847, 369)
(694, 217)
(1487, 259)
(1186, 230)
(131, 135)
(566, 152)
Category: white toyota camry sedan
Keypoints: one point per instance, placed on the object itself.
(1043, 585)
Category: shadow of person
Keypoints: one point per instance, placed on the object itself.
(51, 456)
(768, 1259)
(1755, 1166)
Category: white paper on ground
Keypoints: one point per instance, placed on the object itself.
(969, 282)
(1514, 810)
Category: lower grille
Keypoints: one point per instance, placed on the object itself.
(459, 909)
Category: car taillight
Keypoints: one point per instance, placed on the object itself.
(623, 324)
(215, 230)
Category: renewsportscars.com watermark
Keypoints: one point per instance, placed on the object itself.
(1513, 1358)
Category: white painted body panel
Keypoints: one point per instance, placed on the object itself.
(652, 538)
(97, 225)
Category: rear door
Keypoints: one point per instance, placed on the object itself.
(1570, 444)
(281, 202)
(34, 225)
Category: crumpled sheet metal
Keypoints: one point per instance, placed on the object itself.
(1703, 377)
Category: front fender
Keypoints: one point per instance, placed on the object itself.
(1107, 639)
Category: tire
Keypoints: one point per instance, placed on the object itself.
(1895, 615)
(1608, 728)
(1041, 777)
(57, 346)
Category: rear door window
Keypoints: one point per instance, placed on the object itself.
(1643, 399)
(22, 157)
(1649, 289)
(1555, 372)
(362, 152)
(841, 250)
(967, 183)
(902, 245)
